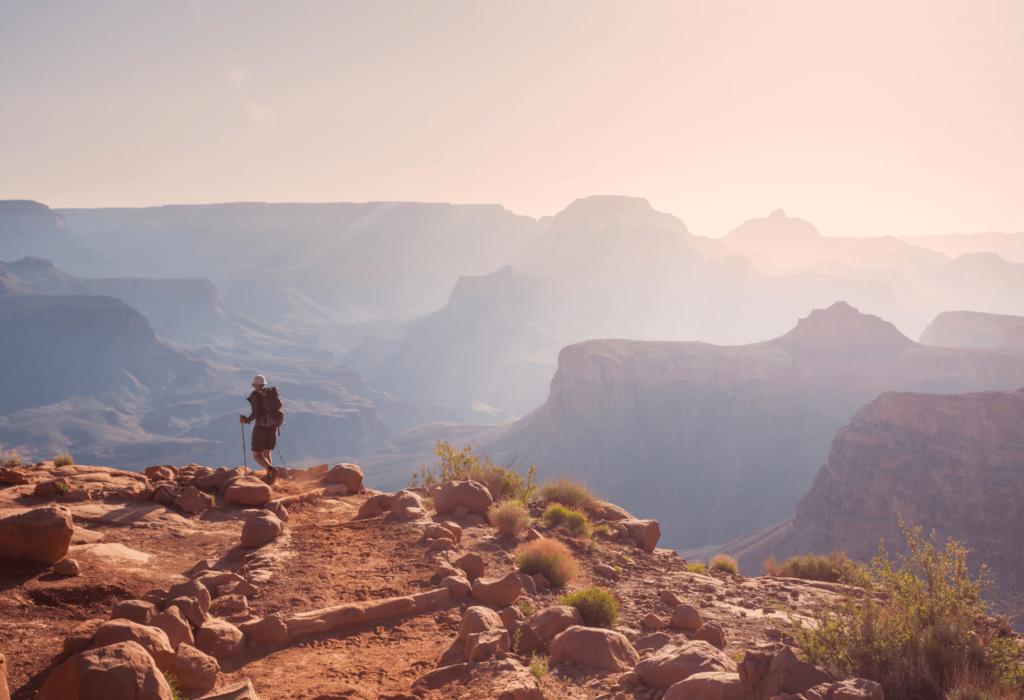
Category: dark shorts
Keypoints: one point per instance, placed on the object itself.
(263, 438)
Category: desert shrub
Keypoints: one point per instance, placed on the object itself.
(930, 629)
(835, 567)
(603, 529)
(596, 606)
(557, 514)
(525, 608)
(548, 557)
(771, 567)
(723, 562)
(539, 665)
(61, 487)
(509, 517)
(569, 491)
(172, 681)
(63, 460)
(459, 465)
(696, 568)
(9, 458)
(428, 503)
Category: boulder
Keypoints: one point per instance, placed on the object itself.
(272, 630)
(191, 589)
(671, 664)
(122, 670)
(13, 475)
(529, 585)
(788, 674)
(194, 669)
(710, 686)
(541, 581)
(712, 633)
(348, 474)
(442, 545)
(40, 535)
(456, 584)
(153, 640)
(460, 512)
(228, 605)
(524, 640)
(248, 491)
(645, 533)
(175, 626)
(687, 617)
(478, 619)
(608, 572)
(501, 679)
(192, 500)
(212, 580)
(190, 608)
(471, 494)
(550, 622)
(653, 622)
(5, 692)
(498, 591)
(610, 511)
(161, 472)
(850, 689)
(436, 531)
(67, 567)
(669, 598)
(454, 529)
(278, 509)
(369, 509)
(220, 639)
(261, 530)
(406, 505)
(238, 588)
(483, 645)
(212, 482)
(652, 641)
(599, 648)
(81, 636)
(472, 563)
(511, 614)
(242, 690)
(137, 611)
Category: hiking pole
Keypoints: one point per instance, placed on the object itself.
(244, 461)
(283, 465)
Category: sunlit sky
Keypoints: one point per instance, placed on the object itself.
(865, 118)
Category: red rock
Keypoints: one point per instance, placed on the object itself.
(122, 670)
(175, 626)
(671, 664)
(81, 636)
(645, 533)
(192, 500)
(220, 639)
(471, 494)
(41, 534)
(241, 690)
(67, 567)
(261, 530)
(686, 617)
(710, 686)
(248, 491)
(348, 474)
(153, 640)
(549, 622)
(498, 591)
(478, 619)
(271, 630)
(472, 563)
(599, 648)
(483, 645)
(137, 611)
(712, 633)
(194, 670)
(191, 589)
(369, 509)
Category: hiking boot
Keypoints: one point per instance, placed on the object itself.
(272, 475)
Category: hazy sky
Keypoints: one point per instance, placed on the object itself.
(866, 118)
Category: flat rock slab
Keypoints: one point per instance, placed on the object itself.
(107, 550)
(108, 514)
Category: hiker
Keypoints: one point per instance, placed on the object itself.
(265, 405)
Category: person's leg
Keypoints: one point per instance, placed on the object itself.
(272, 474)
(261, 459)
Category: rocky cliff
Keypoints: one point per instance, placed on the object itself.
(32, 228)
(953, 464)
(716, 442)
(973, 329)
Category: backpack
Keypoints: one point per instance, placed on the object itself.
(272, 407)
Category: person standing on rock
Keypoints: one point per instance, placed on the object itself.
(266, 411)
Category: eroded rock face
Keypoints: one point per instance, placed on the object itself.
(945, 462)
(599, 648)
(123, 670)
(41, 535)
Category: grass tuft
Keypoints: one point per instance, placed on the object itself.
(696, 568)
(509, 517)
(596, 606)
(723, 562)
(63, 460)
(539, 665)
(557, 514)
(9, 458)
(172, 681)
(550, 558)
(833, 568)
(569, 491)
(525, 608)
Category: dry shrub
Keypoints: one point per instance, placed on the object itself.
(548, 557)
(63, 459)
(569, 491)
(723, 562)
(509, 517)
(832, 568)
(556, 514)
(771, 566)
(596, 606)
(458, 465)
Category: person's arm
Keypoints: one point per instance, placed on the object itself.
(253, 406)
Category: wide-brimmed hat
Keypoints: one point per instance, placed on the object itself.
(260, 379)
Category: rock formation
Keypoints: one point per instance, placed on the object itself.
(973, 329)
(716, 442)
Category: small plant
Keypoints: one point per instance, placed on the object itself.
(428, 503)
(516, 639)
(61, 487)
(539, 666)
(172, 681)
(9, 458)
(525, 608)
(63, 460)
(627, 558)
(596, 606)
(601, 529)
(696, 568)
(834, 567)
(771, 567)
(618, 569)
(557, 514)
(569, 491)
(509, 517)
(550, 558)
(723, 562)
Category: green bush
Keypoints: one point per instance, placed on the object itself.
(62, 460)
(509, 517)
(596, 606)
(723, 562)
(172, 681)
(550, 558)
(931, 628)
(525, 608)
(833, 568)
(556, 514)
(569, 491)
(9, 458)
(601, 529)
(696, 568)
(460, 465)
(539, 666)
